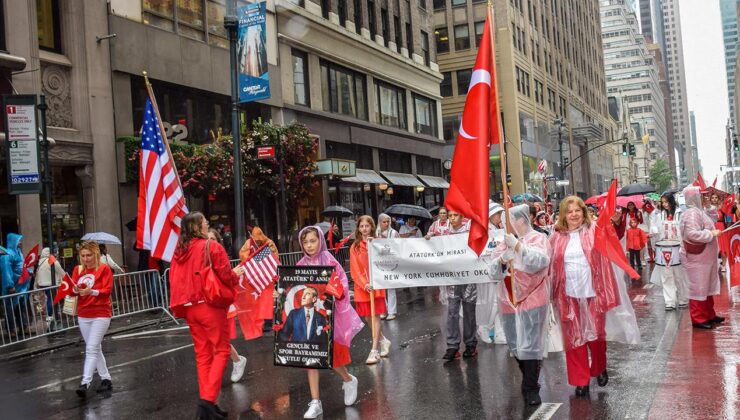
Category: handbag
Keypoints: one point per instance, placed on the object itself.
(554, 332)
(693, 248)
(70, 306)
(215, 293)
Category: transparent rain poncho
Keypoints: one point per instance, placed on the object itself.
(524, 299)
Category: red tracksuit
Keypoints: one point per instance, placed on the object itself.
(208, 324)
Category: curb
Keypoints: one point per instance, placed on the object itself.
(72, 341)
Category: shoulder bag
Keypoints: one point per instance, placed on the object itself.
(215, 293)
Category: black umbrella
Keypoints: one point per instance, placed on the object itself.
(635, 189)
(408, 210)
(337, 211)
(434, 209)
(672, 191)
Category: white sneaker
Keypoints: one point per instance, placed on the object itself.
(314, 410)
(350, 391)
(385, 347)
(372, 358)
(484, 334)
(238, 370)
(390, 317)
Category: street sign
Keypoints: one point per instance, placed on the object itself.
(551, 178)
(562, 183)
(266, 152)
(22, 144)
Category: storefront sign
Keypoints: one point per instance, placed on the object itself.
(414, 262)
(266, 152)
(68, 253)
(304, 317)
(254, 79)
(22, 144)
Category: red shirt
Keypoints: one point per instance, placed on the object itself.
(100, 279)
(636, 238)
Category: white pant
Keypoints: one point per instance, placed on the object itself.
(675, 289)
(93, 330)
(390, 301)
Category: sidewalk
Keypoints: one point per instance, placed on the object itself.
(703, 372)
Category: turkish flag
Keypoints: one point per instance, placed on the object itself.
(65, 288)
(335, 286)
(700, 182)
(479, 129)
(606, 240)
(729, 244)
(31, 259)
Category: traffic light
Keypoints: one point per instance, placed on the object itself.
(565, 161)
(633, 151)
(624, 149)
(735, 145)
(508, 180)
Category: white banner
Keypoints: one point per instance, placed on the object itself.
(415, 262)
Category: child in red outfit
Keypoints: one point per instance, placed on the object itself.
(636, 240)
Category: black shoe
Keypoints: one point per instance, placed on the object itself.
(451, 354)
(703, 326)
(582, 391)
(532, 398)
(211, 410)
(717, 320)
(470, 351)
(105, 385)
(603, 379)
(82, 390)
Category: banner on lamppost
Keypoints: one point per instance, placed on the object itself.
(22, 144)
(254, 79)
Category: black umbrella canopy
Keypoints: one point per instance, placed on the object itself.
(672, 191)
(635, 189)
(337, 211)
(408, 210)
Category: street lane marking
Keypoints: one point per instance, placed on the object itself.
(118, 337)
(545, 411)
(130, 362)
(639, 298)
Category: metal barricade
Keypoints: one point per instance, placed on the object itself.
(32, 314)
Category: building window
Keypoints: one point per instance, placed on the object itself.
(297, 2)
(425, 48)
(190, 18)
(325, 9)
(391, 109)
(217, 34)
(343, 90)
(397, 32)
(358, 16)
(522, 81)
(462, 37)
(425, 111)
(439, 4)
(459, 2)
(450, 127)
(371, 19)
(479, 32)
(342, 9)
(423, 4)
(445, 88)
(443, 40)
(463, 81)
(300, 78)
(539, 92)
(409, 39)
(48, 25)
(385, 26)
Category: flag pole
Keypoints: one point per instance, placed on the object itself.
(150, 92)
(502, 146)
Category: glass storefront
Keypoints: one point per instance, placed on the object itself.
(67, 213)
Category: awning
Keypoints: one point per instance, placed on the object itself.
(434, 181)
(404, 180)
(365, 176)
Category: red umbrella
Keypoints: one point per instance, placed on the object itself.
(596, 200)
(637, 199)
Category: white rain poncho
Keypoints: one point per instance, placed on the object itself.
(525, 301)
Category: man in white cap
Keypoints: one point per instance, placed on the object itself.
(486, 312)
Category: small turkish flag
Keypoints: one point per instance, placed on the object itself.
(729, 244)
(65, 289)
(31, 258)
(479, 129)
(335, 286)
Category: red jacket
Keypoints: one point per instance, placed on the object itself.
(636, 238)
(185, 286)
(100, 279)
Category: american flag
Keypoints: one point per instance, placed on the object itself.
(161, 200)
(260, 269)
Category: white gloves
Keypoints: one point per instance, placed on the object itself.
(507, 256)
(511, 240)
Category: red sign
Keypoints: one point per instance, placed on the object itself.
(266, 152)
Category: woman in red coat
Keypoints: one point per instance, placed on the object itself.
(208, 325)
(93, 285)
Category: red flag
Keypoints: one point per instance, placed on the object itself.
(700, 182)
(714, 184)
(729, 244)
(606, 240)
(330, 236)
(335, 286)
(29, 262)
(342, 243)
(65, 288)
(479, 129)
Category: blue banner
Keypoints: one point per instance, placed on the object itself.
(254, 79)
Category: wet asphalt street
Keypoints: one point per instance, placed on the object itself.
(675, 373)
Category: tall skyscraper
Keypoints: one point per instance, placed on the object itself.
(728, 11)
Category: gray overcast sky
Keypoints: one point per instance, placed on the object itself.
(704, 59)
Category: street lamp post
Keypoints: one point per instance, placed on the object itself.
(48, 185)
(231, 23)
(560, 123)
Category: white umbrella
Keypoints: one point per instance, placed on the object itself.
(102, 238)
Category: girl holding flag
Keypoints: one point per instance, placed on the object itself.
(346, 322)
(369, 303)
(385, 230)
